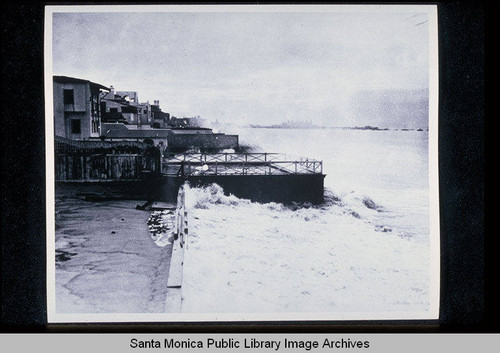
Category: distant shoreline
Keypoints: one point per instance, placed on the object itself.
(372, 128)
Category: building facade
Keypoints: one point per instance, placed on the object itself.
(124, 107)
(145, 114)
(77, 114)
(122, 132)
(117, 108)
(159, 119)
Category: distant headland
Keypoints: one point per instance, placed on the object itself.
(309, 125)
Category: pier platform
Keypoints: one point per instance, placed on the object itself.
(261, 177)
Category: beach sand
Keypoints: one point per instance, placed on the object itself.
(106, 261)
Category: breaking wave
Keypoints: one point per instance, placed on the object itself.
(245, 250)
(362, 208)
(213, 194)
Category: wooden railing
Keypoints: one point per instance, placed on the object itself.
(199, 164)
(224, 157)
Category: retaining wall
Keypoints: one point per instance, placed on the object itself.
(260, 188)
(204, 141)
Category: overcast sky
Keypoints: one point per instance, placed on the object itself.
(247, 67)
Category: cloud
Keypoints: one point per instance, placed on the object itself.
(259, 65)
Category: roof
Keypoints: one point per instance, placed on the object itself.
(116, 100)
(66, 79)
(114, 126)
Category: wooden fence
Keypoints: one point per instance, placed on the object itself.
(103, 167)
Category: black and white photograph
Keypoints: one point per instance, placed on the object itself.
(242, 163)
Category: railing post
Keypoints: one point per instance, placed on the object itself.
(295, 167)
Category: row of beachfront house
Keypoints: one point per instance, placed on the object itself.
(74, 97)
(85, 110)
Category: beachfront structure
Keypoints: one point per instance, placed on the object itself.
(200, 138)
(77, 114)
(191, 122)
(95, 160)
(145, 115)
(159, 119)
(120, 107)
(175, 139)
(261, 177)
(124, 107)
(179, 122)
(129, 96)
(86, 110)
(122, 132)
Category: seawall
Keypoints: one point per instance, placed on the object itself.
(259, 188)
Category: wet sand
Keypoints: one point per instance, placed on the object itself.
(106, 261)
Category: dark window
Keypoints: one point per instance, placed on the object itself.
(76, 126)
(68, 96)
(129, 109)
(95, 126)
(113, 110)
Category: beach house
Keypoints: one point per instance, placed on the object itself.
(77, 114)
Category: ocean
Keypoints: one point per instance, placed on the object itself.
(364, 253)
(366, 249)
(391, 167)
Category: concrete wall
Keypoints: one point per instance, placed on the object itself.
(186, 141)
(157, 140)
(260, 188)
